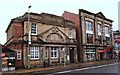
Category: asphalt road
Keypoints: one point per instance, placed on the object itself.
(109, 69)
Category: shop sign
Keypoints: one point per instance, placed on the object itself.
(101, 51)
(90, 52)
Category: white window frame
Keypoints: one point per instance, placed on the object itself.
(54, 49)
(34, 52)
(34, 29)
(99, 29)
(46, 52)
(18, 55)
(106, 30)
(70, 33)
(88, 25)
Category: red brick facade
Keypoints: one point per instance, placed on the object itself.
(84, 47)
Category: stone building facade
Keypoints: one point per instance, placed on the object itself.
(53, 39)
(95, 31)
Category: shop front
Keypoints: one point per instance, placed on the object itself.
(108, 53)
(8, 59)
(90, 54)
(116, 51)
(101, 54)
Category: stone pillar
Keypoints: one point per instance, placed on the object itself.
(68, 55)
(84, 54)
(25, 56)
(75, 55)
(105, 54)
(41, 57)
(97, 53)
(60, 55)
(49, 54)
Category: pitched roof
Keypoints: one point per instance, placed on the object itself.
(43, 18)
(6, 49)
(100, 14)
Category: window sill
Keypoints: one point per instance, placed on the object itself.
(33, 34)
(34, 59)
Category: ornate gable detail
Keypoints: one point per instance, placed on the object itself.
(55, 38)
(55, 30)
(100, 14)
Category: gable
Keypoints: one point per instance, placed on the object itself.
(53, 34)
(100, 14)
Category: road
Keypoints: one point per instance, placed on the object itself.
(109, 69)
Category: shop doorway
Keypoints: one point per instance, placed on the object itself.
(101, 56)
(71, 55)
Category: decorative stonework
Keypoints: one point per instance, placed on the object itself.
(54, 37)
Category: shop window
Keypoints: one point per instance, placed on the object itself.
(89, 38)
(90, 54)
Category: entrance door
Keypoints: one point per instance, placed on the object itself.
(71, 55)
(101, 56)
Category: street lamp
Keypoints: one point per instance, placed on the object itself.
(29, 36)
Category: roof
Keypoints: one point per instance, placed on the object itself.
(5, 49)
(17, 19)
(43, 18)
(71, 17)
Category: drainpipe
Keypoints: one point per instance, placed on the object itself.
(22, 43)
(81, 58)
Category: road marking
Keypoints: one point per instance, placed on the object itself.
(82, 69)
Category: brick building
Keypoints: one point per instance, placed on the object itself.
(52, 38)
(94, 33)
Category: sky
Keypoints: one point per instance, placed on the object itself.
(10, 9)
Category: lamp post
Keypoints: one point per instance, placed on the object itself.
(64, 57)
(29, 36)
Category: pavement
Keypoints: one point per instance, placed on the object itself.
(60, 67)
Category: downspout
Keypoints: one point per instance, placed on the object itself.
(22, 43)
(81, 50)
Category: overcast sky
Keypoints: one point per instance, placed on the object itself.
(10, 9)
